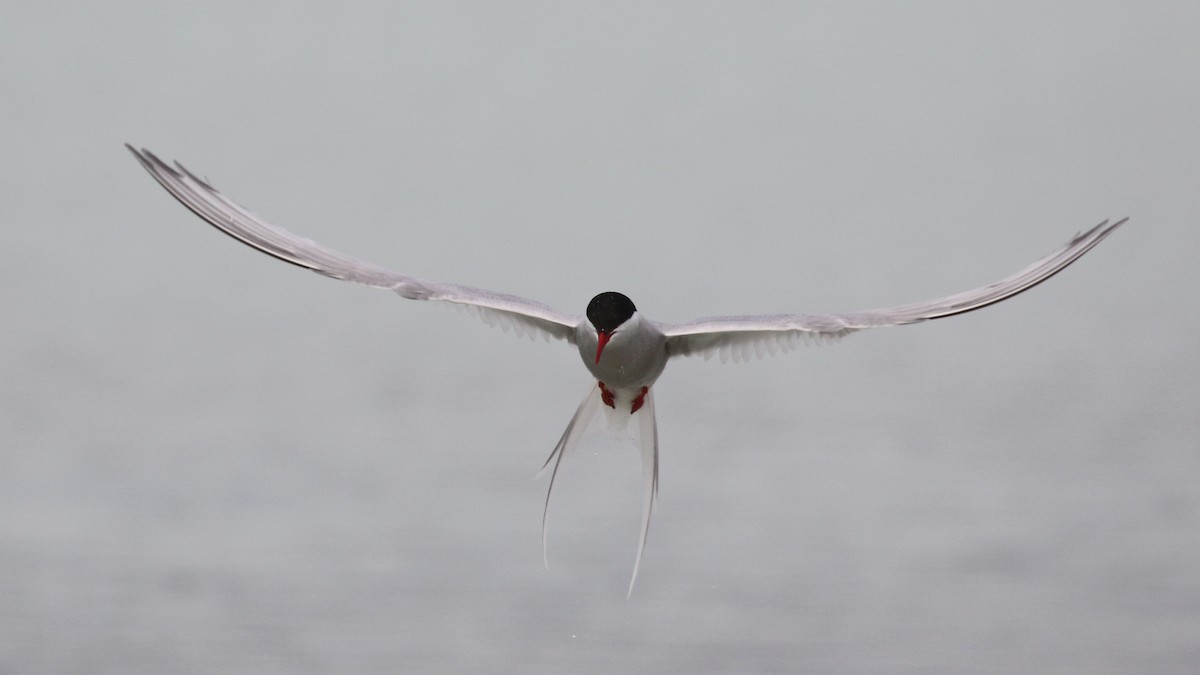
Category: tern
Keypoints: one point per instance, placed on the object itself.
(623, 350)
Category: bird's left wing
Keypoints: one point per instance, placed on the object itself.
(740, 337)
(499, 309)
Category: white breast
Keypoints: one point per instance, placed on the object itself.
(633, 358)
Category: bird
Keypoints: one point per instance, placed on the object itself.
(624, 351)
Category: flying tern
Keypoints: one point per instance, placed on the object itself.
(623, 350)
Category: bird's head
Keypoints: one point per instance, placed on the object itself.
(607, 312)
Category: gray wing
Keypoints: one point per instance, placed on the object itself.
(499, 309)
(740, 337)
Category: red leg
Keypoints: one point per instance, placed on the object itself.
(637, 402)
(606, 396)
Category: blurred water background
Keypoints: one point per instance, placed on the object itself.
(211, 462)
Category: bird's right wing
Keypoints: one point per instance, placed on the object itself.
(499, 309)
(740, 337)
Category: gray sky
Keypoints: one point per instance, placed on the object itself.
(216, 462)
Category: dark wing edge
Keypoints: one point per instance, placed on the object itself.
(742, 337)
(497, 309)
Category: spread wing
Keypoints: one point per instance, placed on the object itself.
(499, 309)
(740, 337)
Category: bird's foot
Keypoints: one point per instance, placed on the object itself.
(637, 402)
(606, 396)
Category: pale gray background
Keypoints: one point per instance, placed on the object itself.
(213, 462)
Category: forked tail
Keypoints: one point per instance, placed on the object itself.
(646, 432)
(570, 438)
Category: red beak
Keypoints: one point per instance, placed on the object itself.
(602, 339)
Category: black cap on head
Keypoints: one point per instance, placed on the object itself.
(609, 310)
